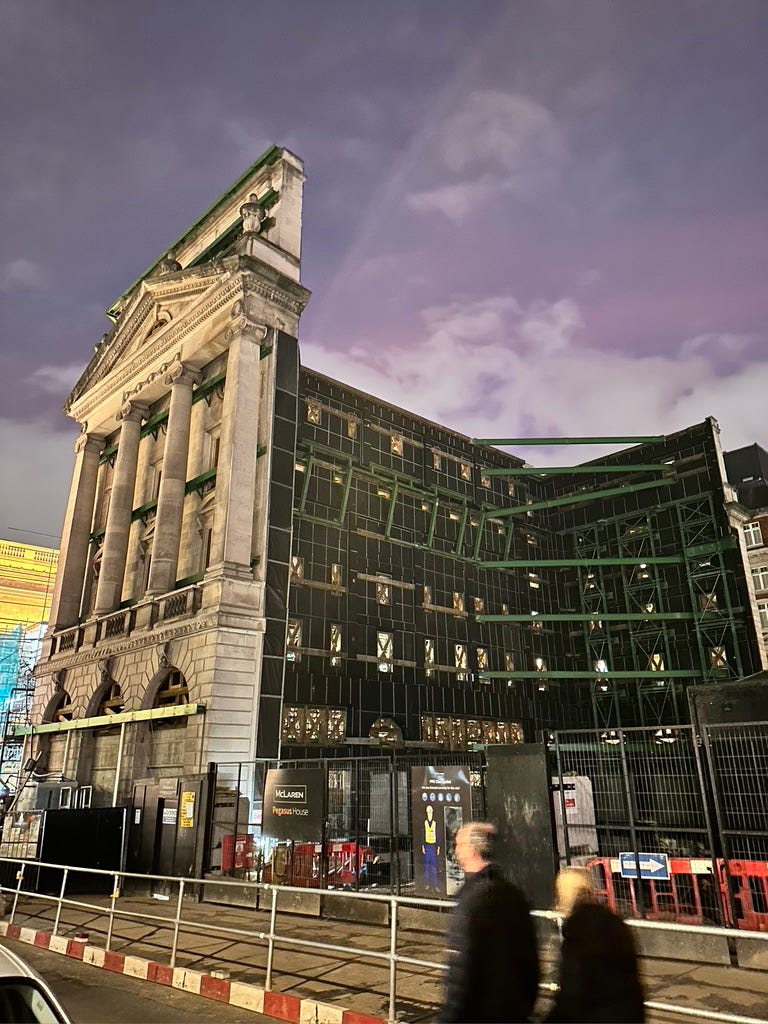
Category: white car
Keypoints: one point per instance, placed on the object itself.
(25, 998)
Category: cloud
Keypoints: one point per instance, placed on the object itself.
(41, 460)
(492, 368)
(494, 142)
(22, 274)
(56, 380)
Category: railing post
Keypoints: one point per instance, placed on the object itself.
(176, 923)
(392, 958)
(58, 906)
(271, 949)
(19, 880)
(113, 900)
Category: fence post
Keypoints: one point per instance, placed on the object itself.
(563, 812)
(19, 880)
(58, 906)
(112, 901)
(632, 833)
(394, 824)
(695, 739)
(392, 959)
(721, 830)
(176, 923)
(271, 949)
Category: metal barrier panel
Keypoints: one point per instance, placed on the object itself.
(738, 756)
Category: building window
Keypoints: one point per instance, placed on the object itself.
(601, 665)
(383, 593)
(479, 605)
(460, 652)
(395, 445)
(458, 603)
(760, 577)
(293, 641)
(656, 663)
(112, 701)
(351, 428)
(762, 611)
(708, 602)
(717, 658)
(437, 462)
(485, 480)
(540, 664)
(297, 568)
(313, 726)
(173, 691)
(510, 489)
(63, 709)
(429, 657)
(753, 535)
(384, 651)
(509, 661)
(504, 608)
(465, 470)
(427, 595)
(335, 645)
(313, 413)
(482, 659)
(336, 576)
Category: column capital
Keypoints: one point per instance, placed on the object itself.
(88, 443)
(183, 374)
(244, 324)
(132, 412)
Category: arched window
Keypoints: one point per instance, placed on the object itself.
(173, 691)
(112, 701)
(61, 708)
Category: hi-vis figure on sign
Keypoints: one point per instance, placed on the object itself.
(441, 802)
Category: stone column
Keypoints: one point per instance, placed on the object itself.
(110, 586)
(170, 500)
(236, 474)
(76, 534)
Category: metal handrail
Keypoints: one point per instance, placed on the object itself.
(177, 923)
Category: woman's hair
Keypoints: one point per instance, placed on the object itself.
(572, 886)
(480, 835)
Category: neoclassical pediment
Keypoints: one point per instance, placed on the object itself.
(157, 306)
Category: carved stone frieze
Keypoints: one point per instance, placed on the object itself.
(159, 372)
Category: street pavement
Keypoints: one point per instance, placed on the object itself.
(350, 979)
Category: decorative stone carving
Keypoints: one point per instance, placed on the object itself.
(163, 369)
(164, 655)
(168, 264)
(244, 322)
(183, 374)
(105, 671)
(58, 679)
(86, 442)
(253, 214)
(132, 411)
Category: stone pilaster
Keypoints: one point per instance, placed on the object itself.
(170, 500)
(75, 537)
(236, 474)
(118, 528)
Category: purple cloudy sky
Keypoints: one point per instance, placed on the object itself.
(538, 216)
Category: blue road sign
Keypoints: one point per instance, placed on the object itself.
(652, 865)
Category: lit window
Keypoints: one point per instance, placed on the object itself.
(510, 489)
(752, 535)
(466, 471)
(427, 595)
(485, 480)
(383, 593)
(530, 539)
(382, 492)
(479, 605)
(384, 651)
(395, 445)
(509, 661)
(595, 624)
(300, 467)
(335, 645)
(642, 572)
(649, 607)
(708, 602)
(297, 568)
(460, 657)
(539, 664)
(293, 641)
(427, 728)
(437, 462)
(458, 602)
(656, 663)
(601, 665)
(454, 515)
(429, 657)
(351, 428)
(336, 575)
(313, 412)
(534, 581)
(293, 724)
(337, 724)
(760, 577)
(717, 658)
(762, 611)
(314, 725)
(482, 659)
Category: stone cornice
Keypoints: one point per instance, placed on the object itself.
(107, 650)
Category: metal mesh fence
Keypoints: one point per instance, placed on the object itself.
(368, 839)
(738, 758)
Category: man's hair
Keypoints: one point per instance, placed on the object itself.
(480, 835)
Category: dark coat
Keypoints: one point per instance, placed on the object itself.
(493, 967)
(599, 978)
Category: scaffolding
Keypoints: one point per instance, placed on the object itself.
(645, 588)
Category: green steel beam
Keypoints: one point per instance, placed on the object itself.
(479, 537)
(656, 439)
(590, 617)
(580, 496)
(585, 563)
(391, 513)
(551, 470)
(345, 494)
(305, 484)
(675, 673)
(462, 531)
(149, 714)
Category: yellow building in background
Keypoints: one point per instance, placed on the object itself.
(27, 575)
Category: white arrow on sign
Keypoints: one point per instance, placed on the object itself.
(650, 864)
